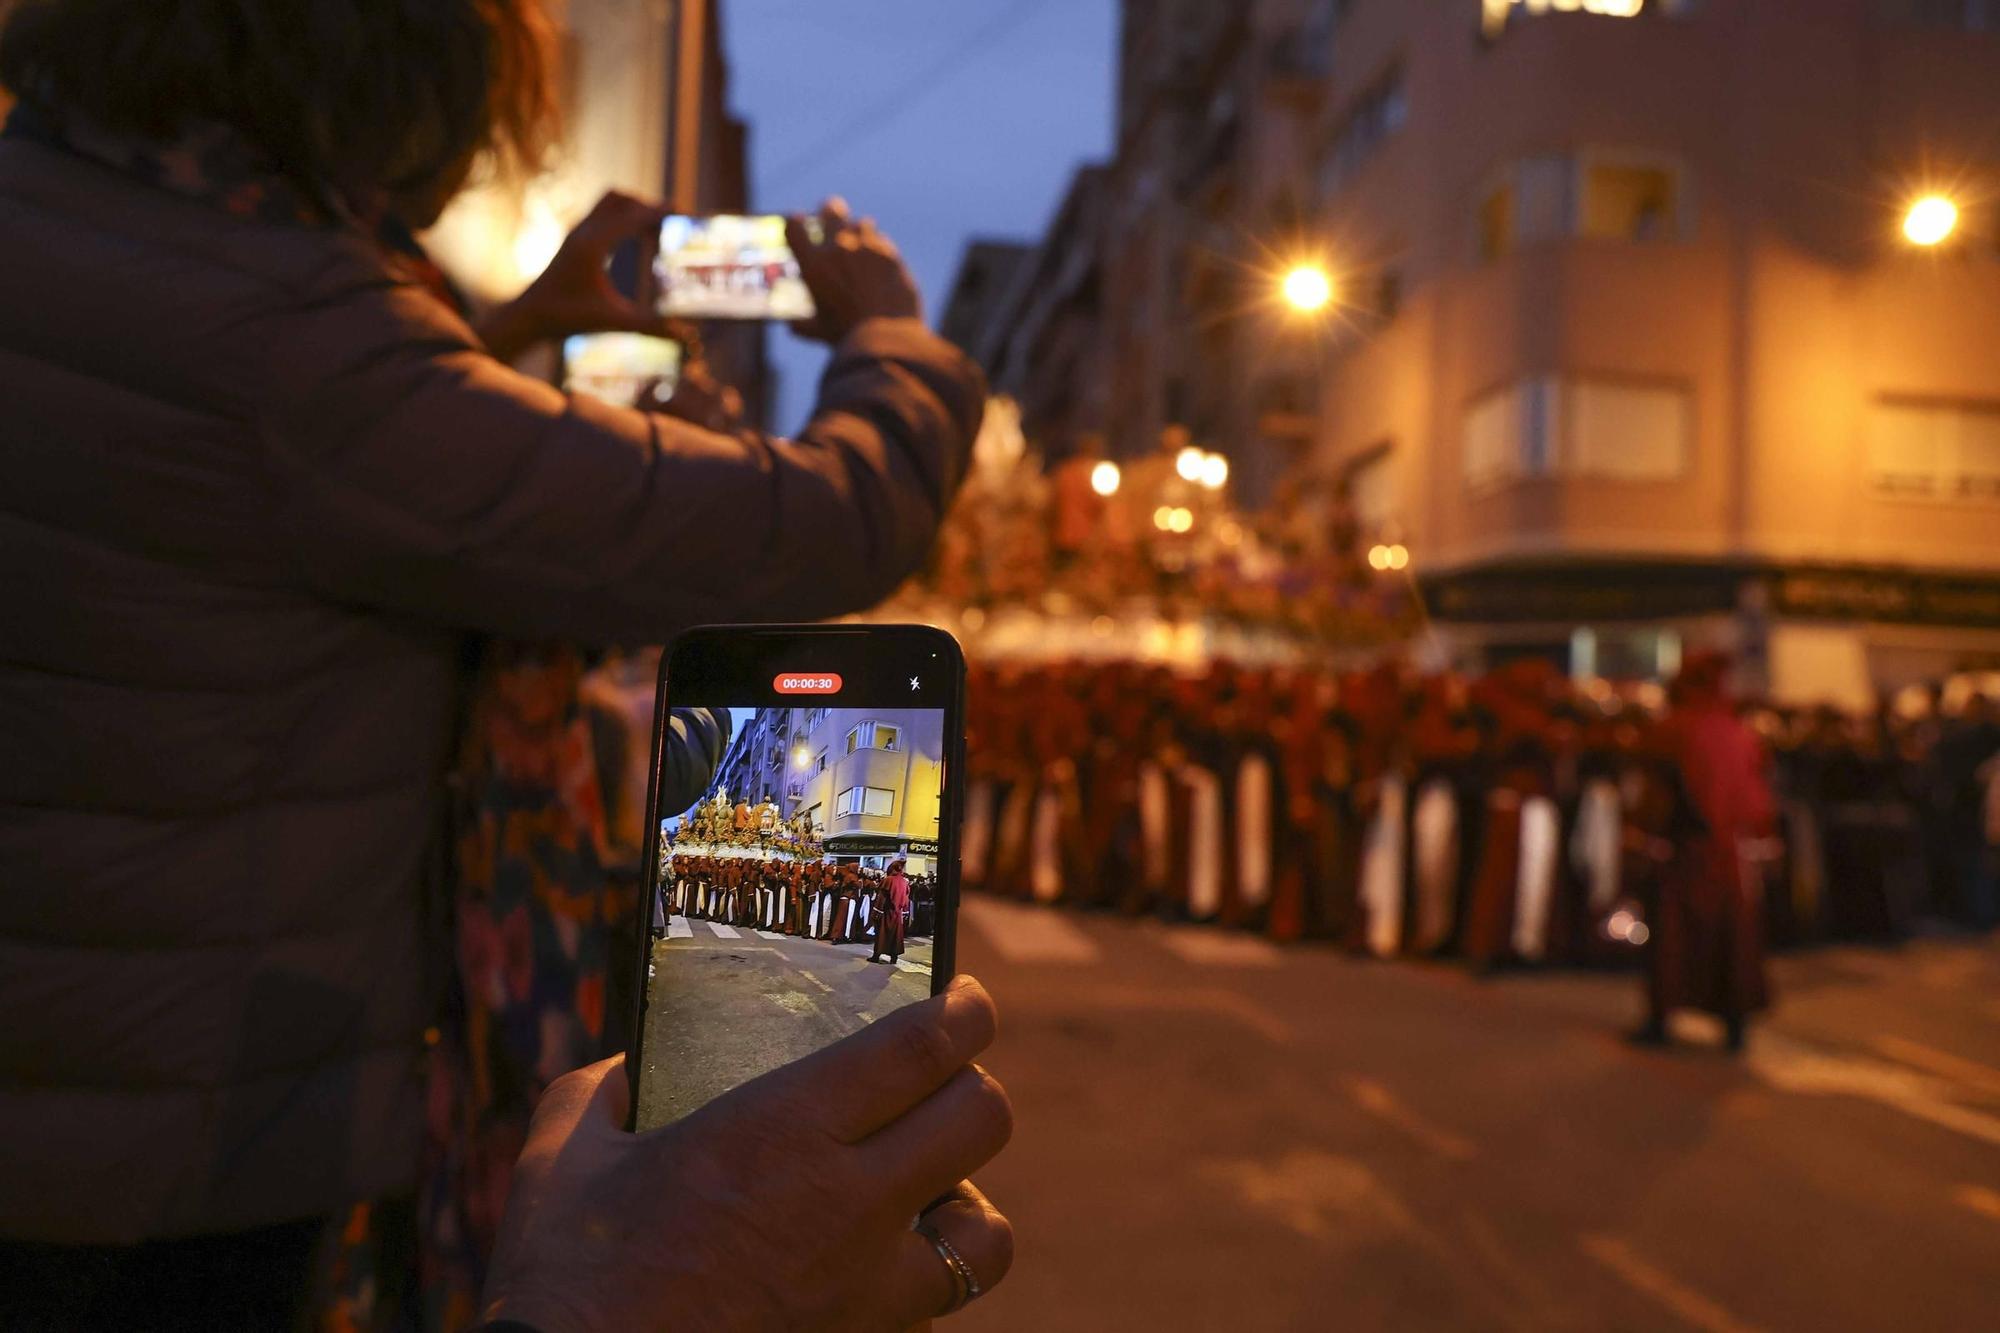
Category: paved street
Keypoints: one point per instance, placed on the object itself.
(1216, 1134)
(733, 1003)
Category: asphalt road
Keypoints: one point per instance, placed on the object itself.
(1217, 1134)
(727, 1004)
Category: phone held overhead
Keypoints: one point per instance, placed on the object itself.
(729, 266)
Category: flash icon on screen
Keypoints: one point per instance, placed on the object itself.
(915, 684)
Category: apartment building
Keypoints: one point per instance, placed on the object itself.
(1633, 347)
(872, 779)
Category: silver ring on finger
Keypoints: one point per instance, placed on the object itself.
(964, 1282)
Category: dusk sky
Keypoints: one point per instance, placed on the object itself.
(942, 119)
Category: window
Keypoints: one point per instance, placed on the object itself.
(1510, 433)
(1578, 427)
(1930, 449)
(814, 716)
(1530, 202)
(1496, 223)
(813, 816)
(1965, 15)
(1628, 201)
(819, 764)
(874, 736)
(872, 801)
(1627, 432)
(1375, 118)
(1607, 196)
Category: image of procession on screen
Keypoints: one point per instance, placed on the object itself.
(795, 901)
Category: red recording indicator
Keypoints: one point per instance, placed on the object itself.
(805, 682)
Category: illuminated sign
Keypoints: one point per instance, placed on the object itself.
(1499, 11)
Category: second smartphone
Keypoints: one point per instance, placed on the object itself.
(807, 883)
(729, 266)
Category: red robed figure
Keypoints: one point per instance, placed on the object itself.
(1708, 935)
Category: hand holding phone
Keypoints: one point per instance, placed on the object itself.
(824, 273)
(776, 921)
(855, 273)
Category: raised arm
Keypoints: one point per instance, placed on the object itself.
(415, 473)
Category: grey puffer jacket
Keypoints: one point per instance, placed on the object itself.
(253, 489)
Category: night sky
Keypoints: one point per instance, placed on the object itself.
(941, 119)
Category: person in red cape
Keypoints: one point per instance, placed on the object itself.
(1706, 944)
(892, 901)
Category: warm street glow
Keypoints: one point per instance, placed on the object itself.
(1105, 479)
(1308, 289)
(1188, 463)
(1214, 472)
(1931, 220)
(1181, 520)
(800, 758)
(1386, 558)
(1163, 518)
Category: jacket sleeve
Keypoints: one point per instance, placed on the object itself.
(416, 474)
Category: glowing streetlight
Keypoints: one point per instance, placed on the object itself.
(1214, 472)
(1105, 479)
(1181, 520)
(1163, 518)
(1307, 288)
(800, 757)
(1188, 463)
(1930, 221)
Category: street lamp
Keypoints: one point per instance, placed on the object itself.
(1188, 463)
(1930, 221)
(1307, 288)
(1214, 474)
(1389, 557)
(1105, 479)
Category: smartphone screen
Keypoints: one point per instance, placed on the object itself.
(620, 367)
(809, 884)
(729, 267)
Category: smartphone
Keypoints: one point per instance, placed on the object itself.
(621, 367)
(728, 266)
(808, 884)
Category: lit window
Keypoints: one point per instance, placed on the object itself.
(1627, 201)
(1496, 223)
(874, 736)
(1944, 450)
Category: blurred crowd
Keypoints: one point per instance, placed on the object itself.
(1512, 818)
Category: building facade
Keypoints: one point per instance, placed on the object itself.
(1631, 348)
(872, 780)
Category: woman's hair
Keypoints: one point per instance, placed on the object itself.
(395, 95)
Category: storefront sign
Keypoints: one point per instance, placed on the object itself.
(1498, 12)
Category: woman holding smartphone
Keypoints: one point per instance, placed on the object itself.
(266, 483)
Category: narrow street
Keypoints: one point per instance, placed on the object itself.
(734, 1003)
(1215, 1133)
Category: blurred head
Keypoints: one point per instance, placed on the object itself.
(365, 96)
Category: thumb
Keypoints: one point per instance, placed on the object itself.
(597, 1092)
